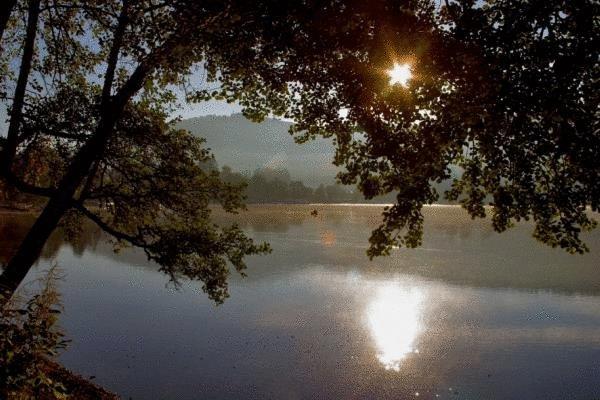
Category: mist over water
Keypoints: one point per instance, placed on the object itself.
(470, 314)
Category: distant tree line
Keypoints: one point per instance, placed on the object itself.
(269, 185)
(264, 185)
(507, 91)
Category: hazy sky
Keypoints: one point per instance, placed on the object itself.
(212, 107)
(188, 111)
(198, 78)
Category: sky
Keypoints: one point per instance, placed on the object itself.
(212, 107)
(198, 78)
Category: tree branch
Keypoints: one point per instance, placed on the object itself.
(105, 227)
(113, 56)
(6, 7)
(10, 177)
(16, 115)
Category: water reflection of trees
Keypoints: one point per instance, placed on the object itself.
(456, 249)
(264, 218)
(14, 227)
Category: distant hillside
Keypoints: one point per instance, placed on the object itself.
(246, 146)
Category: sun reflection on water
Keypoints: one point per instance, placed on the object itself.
(395, 322)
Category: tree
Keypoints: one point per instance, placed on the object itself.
(321, 194)
(235, 178)
(119, 162)
(298, 192)
(504, 90)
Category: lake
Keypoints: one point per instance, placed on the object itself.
(472, 314)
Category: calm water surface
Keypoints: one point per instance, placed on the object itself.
(470, 315)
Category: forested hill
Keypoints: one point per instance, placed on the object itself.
(265, 156)
(246, 146)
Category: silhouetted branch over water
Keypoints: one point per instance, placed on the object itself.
(408, 92)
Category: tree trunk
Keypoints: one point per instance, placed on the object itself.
(30, 249)
(11, 278)
(59, 203)
(62, 200)
(16, 113)
(6, 7)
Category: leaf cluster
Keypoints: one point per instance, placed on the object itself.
(29, 338)
(506, 92)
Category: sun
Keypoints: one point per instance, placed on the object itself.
(400, 74)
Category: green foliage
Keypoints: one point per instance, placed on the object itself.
(29, 338)
(89, 130)
(505, 90)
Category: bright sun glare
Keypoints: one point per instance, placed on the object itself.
(394, 318)
(400, 74)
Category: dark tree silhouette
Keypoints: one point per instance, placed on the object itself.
(114, 158)
(505, 90)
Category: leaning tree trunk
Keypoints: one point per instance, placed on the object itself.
(62, 200)
(31, 247)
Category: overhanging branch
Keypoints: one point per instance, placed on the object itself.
(25, 187)
(105, 227)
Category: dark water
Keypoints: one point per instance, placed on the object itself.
(470, 315)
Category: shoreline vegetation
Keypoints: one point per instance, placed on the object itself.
(263, 186)
(30, 344)
(77, 386)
